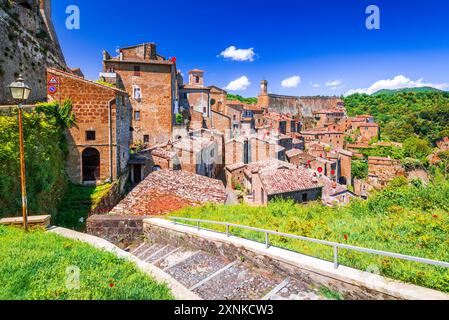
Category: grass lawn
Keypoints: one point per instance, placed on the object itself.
(404, 218)
(77, 203)
(33, 266)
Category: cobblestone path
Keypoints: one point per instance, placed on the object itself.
(216, 278)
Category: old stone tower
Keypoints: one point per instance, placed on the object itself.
(28, 45)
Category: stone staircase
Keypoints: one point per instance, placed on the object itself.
(216, 278)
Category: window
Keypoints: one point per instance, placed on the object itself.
(146, 138)
(137, 94)
(90, 135)
(137, 71)
(197, 79)
(305, 197)
(136, 116)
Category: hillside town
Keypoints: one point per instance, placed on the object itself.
(143, 115)
(154, 183)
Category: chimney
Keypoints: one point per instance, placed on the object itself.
(152, 54)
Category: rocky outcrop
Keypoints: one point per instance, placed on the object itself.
(28, 45)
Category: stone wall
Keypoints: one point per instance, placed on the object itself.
(297, 106)
(114, 196)
(28, 45)
(120, 230)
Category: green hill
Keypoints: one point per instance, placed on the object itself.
(236, 97)
(405, 114)
(421, 89)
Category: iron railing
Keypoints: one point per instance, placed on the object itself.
(335, 245)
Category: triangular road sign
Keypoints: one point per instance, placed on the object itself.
(53, 80)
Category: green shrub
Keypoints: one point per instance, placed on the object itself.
(404, 218)
(34, 267)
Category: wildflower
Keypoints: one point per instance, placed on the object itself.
(111, 285)
(346, 237)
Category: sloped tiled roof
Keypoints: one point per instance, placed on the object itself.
(288, 180)
(167, 190)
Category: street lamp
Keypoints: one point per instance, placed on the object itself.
(20, 92)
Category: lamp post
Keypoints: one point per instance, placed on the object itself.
(20, 92)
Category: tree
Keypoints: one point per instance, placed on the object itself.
(359, 169)
(417, 148)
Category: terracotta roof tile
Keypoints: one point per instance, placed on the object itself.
(285, 181)
(166, 190)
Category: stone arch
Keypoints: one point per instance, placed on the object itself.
(90, 164)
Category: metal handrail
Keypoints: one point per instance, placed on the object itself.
(335, 245)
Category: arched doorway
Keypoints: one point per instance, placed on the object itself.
(342, 181)
(91, 165)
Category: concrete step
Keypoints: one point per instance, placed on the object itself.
(197, 268)
(239, 282)
(150, 250)
(216, 278)
(160, 254)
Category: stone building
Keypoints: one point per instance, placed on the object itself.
(195, 98)
(252, 148)
(328, 116)
(99, 142)
(28, 45)
(380, 172)
(198, 155)
(151, 82)
(252, 169)
(299, 185)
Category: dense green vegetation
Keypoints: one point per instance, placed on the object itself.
(406, 218)
(45, 150)
(421, 89)
(77, 203)
(34, 267)
(237, 97)
(406, 114)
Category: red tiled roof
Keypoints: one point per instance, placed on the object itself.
(168, 190)
(285, 181)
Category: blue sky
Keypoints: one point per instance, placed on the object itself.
(325, 43)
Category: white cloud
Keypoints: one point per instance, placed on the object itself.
(398, 82)
(238, 54)
(240, 84)
(334, 83)
(292, 82)
(315, 85)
